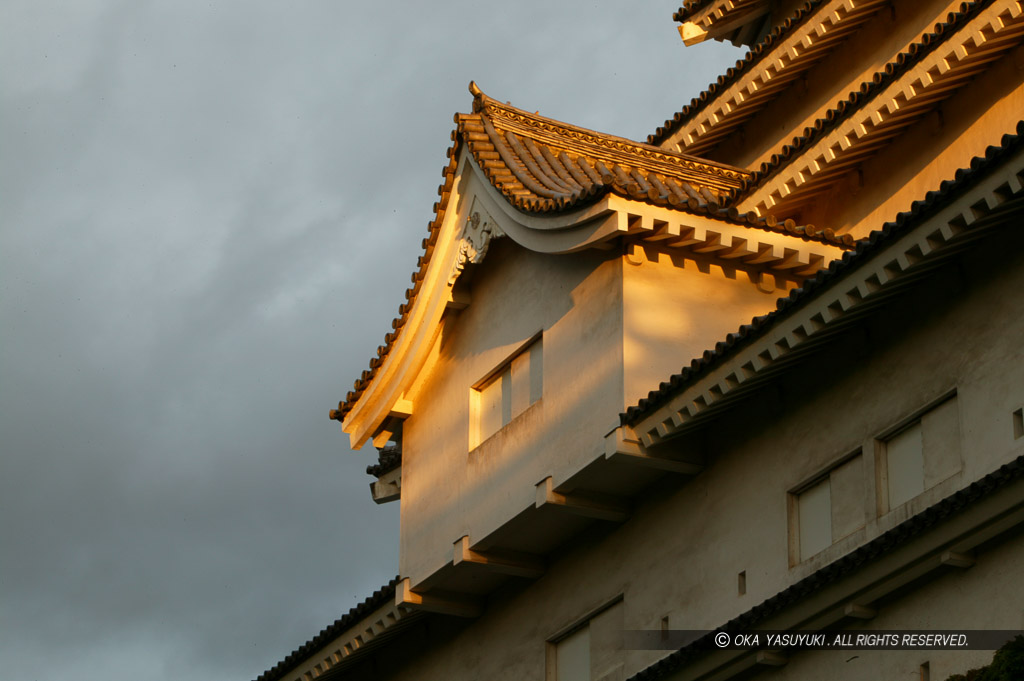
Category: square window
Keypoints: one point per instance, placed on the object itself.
(828, 509)
(919, 456)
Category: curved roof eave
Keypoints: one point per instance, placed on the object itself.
(562, 189)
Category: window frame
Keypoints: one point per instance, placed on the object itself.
(903, 425)
(478, 434)
(823, 476)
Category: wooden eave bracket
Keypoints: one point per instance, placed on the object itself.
(622, 445)
(400, 411)
(957, 559)
(612, 511)
(770, 658)
(858, 611)
(443, 604)
(513, 564)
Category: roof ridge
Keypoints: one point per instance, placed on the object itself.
(524, 120)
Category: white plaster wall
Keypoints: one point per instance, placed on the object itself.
(449, 491)
(675, 308)
(987, 596)
(680, 552)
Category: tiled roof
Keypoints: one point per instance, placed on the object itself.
(388, 459)
(543, 166)
(727, 8)
(859, 98)
(749, 61)
(867, 248)
(738, 21)
(379, 597)
(688, 8)
(833, 572)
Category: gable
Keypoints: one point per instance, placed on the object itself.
(557, 188)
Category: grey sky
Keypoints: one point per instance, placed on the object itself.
(208, 214)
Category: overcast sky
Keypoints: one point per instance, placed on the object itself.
(208, 214)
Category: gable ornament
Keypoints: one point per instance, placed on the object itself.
(473, 243)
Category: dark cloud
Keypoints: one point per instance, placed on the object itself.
(209, 215)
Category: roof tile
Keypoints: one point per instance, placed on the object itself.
(378, 598)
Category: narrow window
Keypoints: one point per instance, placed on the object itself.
(920, 455)
(507, 392)
(495, 403)
(904, 465)
(1018, 424)
(814, 515)
(742, 583)
(828, 509)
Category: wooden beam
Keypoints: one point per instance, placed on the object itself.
(954, 559)
(401, 409)
(388, 487)
(623, 445)
(583, 506)
(458, 298)
(771, 659)
(446, 605)
(857, 611)
(514, 564)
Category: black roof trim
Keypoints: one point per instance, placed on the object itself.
(378, 598)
